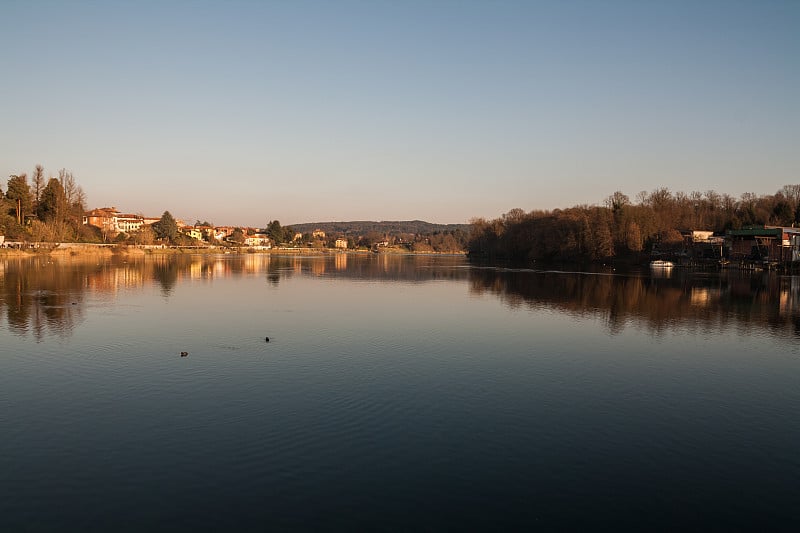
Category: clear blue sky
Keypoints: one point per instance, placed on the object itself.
(244, 112)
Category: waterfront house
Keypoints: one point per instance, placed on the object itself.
(761, 243)
(704, 246)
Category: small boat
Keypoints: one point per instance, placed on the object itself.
(660, 263)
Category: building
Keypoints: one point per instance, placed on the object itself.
(223, 232)
(193, 232)
(111, 222)
(704, 246)
(260, 240)
(104, 218)
(128, 223)
(761, 243)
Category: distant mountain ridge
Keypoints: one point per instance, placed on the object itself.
(392, 227)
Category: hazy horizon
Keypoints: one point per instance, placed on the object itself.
(241, 113)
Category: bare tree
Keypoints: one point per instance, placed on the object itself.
(514, 216)
(792, 194)
(76, 198)
(617, 201)
(38, 184)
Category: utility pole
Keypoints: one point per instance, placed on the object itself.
(19, 211)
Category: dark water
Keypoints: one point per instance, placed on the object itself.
(396, 393)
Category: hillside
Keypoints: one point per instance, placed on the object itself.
(362, 227)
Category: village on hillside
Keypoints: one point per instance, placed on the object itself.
(137, 229)
(143, 230)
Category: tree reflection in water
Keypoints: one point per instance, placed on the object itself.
(693, 300)
(46, 295)
(40, 298)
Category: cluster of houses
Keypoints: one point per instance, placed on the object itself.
(112, 222)
(748, 246)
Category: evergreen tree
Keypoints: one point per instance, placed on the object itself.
(52, 203)
(20, 193)
(166, 228)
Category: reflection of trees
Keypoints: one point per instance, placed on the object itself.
(166, 274)
(380, 267)
(46, 295)
(41, 298)
(694, 301)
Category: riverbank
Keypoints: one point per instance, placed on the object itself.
(86, 249)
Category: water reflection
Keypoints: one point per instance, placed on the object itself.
(47, 295)
(694, 300)
(39, 298)
(43, 296)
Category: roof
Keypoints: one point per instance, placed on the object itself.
(756, 232)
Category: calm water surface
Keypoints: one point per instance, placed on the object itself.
(396, 393)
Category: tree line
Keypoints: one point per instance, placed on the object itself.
(44, 209)
(413, 235)
(388, 227)
(625, 228)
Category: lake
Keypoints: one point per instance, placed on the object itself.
(395, 393)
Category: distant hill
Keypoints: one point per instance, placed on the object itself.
(362, 227)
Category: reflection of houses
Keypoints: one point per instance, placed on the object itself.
(318, 267)
(341, 262)
(789, 296)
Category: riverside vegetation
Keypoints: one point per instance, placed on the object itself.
(51, 210)
(622, 229)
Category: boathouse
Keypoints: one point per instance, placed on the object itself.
(771, 244)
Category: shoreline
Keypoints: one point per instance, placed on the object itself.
(95, 250)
